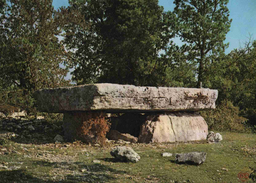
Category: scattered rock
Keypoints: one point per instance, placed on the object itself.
(166, 154)
(18, 114)
(120, 141)
(58, 138)
(218, 137)
(23, 128)
(40, 117)
(83, 170)
(225, 169)
(5, 136)
(3, 167)
(116, 135)
(125, 154)
(96, 161)
(214, 137)
(191, 157)
(2, 115)
(31, 128)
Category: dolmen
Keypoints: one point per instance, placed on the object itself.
(166, 114)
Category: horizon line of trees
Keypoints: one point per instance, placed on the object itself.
(125, 42)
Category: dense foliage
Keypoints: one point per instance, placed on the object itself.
(202, 25)
(121, 42)
(30, 51)
(225, 117)
(235, 79)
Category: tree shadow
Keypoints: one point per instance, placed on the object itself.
(82, 172)
(113, 160)
(31, 132)
(11, 176)
(186, 163)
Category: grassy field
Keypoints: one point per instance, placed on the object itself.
(22, 161)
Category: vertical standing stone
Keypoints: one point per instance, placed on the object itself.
(174, 127)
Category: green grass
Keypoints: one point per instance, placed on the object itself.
(73, 162)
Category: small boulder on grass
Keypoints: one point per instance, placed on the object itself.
(166, 154)
(214, 137)
(125, 154)
(196, 158)
(58, 139)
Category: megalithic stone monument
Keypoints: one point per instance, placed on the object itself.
(170, 111)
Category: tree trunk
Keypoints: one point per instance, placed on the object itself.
(201, 68)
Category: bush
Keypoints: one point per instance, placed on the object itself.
(3, 141)
(225, 118)
(8, 109)
(94, 127)
(15, 99)
(250, 114)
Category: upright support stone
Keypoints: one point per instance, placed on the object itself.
(174, 127)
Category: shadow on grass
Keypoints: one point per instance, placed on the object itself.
(187, 163)
(19, 176)
(81, 171)
(113, 160)
(38, 139)
(41, 133)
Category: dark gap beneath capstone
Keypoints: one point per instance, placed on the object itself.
(128, 122)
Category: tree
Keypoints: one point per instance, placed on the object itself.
(202, 25)
(121, 42)
(180, 71)
(234, 77)
(31, 53)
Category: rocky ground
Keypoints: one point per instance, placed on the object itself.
(30, 130)
(29, 153)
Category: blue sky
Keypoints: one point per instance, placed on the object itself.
(243, 13)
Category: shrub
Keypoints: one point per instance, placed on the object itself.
(93, 127)
(8, 109)
(3, 141)
(225, 118)
(15, 99)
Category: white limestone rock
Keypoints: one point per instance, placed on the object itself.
(166, 154)
(214, 137)
(120, 98)
(58, 138)
(191, 157)
(173, 127)
(125, 154)
(116, 135)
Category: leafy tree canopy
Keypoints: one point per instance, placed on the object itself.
(120, 43)
(31, 52)
(234, 77)
(202, 25)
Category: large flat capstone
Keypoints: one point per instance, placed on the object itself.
(123, 98)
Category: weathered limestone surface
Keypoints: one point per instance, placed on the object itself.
(116, 135)
(125, 154)
(191, 157)
(174, 127)
(123, 98)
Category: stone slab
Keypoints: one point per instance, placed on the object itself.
(124, 98)
(174, 127)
